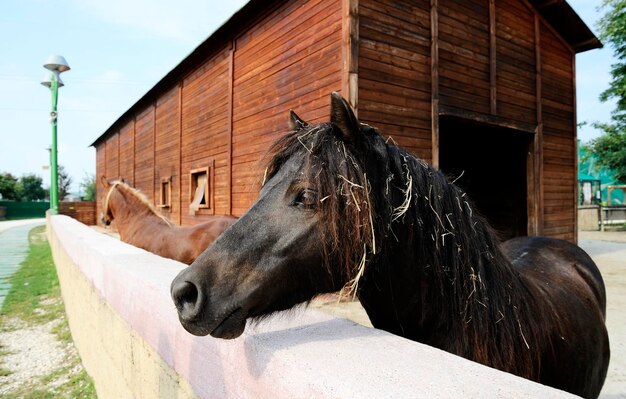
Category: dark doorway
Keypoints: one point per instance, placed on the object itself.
(492, 165)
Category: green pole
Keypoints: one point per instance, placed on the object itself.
(54, 178)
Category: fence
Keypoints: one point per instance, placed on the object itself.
(595, 217)
(126, 329)
(83, 211)
(24, 209)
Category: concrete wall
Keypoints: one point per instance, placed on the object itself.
(126, 329)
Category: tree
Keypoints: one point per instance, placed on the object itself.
(610, 147)
(88, 187)
(30, 188)
(8, 187)
(65, 181)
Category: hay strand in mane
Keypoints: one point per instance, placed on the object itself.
(451, 244)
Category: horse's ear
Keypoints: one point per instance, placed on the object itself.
(295, 122)
(342, 118)
(104, 181)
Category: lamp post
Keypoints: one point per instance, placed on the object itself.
(56, 65)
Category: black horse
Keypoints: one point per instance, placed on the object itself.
(344, 208)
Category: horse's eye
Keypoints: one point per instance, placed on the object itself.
(306, 198)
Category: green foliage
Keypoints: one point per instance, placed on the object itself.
(613, 30)
(8, 187)
(610, 148)
(65, 181)
(88, 187)
(31, 188)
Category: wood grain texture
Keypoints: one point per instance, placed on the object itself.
(402, 64)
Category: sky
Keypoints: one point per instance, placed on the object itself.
(119, 49)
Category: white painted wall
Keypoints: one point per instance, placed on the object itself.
(302, 354)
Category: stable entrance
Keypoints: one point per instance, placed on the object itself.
(490, 164)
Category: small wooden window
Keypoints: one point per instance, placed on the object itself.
(200, 189)
(165, 193)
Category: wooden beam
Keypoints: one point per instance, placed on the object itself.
(538, 186)
(154, 144)
(231, 77)
(493, 120)
(180, 152)
(350, 49)
(434, 80)
(492, 58)
(548, 3)
(575, 145)
(134, 140)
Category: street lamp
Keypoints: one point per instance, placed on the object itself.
(55, 64)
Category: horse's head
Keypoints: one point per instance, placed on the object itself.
(106, 216)
(307, 233)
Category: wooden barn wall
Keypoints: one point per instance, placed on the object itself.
(205, 128)
(112, 169)
(144, 152)
(394, 71)
(289, 60)
(464, 55)
(100, 171)
(559, 137)
(127, 153)
(516, 91)
(225, 112)
(166, 150)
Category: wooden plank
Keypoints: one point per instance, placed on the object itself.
(178, 192)
(231, 78)
(294, 79)
(393, 28)
(167, 149)
(350, 52)
(112, 157)
(434, 79)
(538, 187)
(492, 59)
(281, 24)
(486, 118)
(144, 151)
(288, 39)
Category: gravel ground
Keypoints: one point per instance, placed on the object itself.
(32, 352)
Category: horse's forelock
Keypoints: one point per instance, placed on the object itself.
(345, 210)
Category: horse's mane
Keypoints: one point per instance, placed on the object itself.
(141, 198)
(334, 173)
(407, 205)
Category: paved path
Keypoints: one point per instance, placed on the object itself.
(608, 250)
(13, 249)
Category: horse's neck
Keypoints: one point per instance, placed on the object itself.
(446, 276)
(133, 216)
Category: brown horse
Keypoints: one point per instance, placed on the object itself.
(342, 206)
(141, 225)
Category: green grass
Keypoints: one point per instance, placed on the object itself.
(35, 298)
(35, 284)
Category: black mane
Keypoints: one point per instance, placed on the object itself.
(473, 291)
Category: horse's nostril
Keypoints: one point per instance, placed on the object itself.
(185, 295)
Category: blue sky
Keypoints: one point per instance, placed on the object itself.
(118, 49)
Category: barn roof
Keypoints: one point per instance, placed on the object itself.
(570, 26)
(557, 13)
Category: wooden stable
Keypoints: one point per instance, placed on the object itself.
(483, 89)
